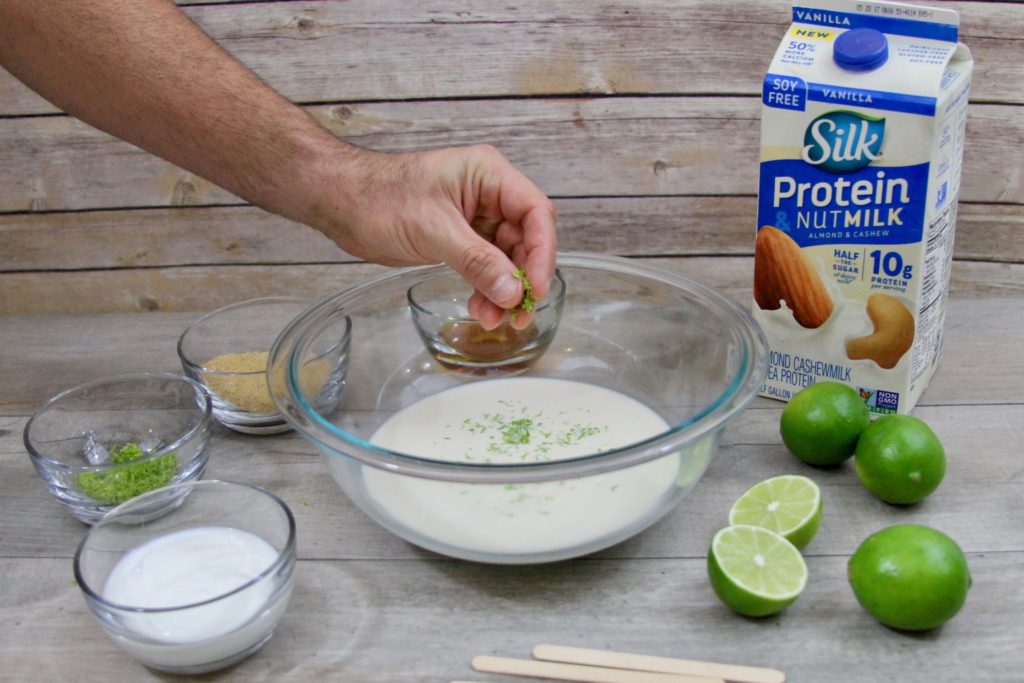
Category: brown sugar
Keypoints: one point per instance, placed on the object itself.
(249, 390)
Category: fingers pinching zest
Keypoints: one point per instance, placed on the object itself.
(508, 224)
(533, 215)
(539, 244)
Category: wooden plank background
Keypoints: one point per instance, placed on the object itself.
(641, 120)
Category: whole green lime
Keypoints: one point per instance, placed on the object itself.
(900, 460)
(910, 577)
(821, 424)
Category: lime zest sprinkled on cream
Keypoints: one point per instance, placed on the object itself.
(518, 431)
(514, 432)
(577, 433)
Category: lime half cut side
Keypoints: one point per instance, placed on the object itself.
(754, 571)
(788, 505)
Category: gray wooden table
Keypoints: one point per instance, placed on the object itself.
(647, 141)
(369, 607)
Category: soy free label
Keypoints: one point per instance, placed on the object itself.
(784, 92)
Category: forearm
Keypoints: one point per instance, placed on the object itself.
(142, 71)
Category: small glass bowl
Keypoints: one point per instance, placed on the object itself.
(222, 596)
(226, 350)
(440, 315)
(76, 438)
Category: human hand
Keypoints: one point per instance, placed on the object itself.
(467, 207)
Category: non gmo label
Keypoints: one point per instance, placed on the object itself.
(879, 401)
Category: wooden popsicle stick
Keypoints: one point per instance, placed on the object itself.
(582, 674)
(624, 660)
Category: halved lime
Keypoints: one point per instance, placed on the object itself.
(788, 505)
(755, 572)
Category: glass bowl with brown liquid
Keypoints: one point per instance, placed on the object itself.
(440, 314)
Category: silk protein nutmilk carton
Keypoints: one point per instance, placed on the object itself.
(862, 136)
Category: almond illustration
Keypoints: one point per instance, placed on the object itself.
(782, 273)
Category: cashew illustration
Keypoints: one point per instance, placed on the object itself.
(893, 335)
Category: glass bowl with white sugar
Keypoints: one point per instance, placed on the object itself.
(226, 350)
(198, 589)
(587, 446)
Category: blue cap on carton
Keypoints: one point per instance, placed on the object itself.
(861, 49)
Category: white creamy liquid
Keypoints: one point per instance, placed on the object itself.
(521, 420)
(188, 567)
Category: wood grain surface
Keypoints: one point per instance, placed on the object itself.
(570, 147)
(370, 607)
(245, 235)
(351, 51)
(648, 146)
(207, 287)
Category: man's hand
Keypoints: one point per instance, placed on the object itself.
(466, 207)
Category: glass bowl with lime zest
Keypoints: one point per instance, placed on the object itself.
(106, 442)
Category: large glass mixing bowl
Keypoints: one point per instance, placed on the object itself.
(592, 443)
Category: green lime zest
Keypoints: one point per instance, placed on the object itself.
(517, 431)
(133, 479)
(527, 304)
(577, 433)
(127, 453)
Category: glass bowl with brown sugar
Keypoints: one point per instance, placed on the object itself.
(226, 350)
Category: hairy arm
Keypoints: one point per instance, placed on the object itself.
(142, 71)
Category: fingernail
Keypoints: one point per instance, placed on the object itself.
(504, 289)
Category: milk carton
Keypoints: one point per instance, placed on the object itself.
(862, 135)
